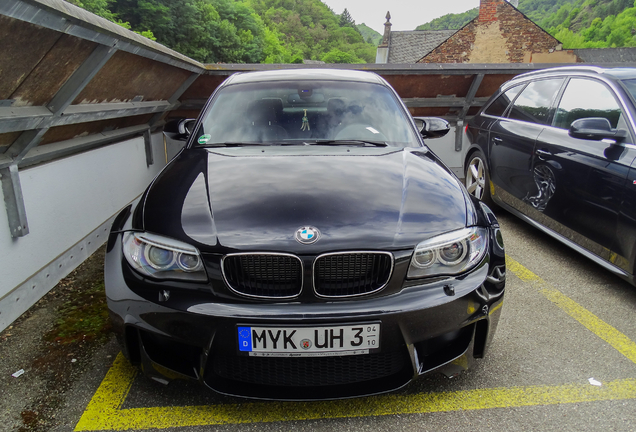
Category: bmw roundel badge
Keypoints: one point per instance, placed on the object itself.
(307, 235)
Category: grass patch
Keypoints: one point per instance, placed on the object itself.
(82, 318)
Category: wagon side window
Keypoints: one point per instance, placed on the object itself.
(499, 105)
(535, 101)
(587, 98)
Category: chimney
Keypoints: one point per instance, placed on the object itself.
(488, 10)
(382, 54)
(387, 31)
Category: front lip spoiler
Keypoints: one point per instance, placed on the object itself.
(451, 367)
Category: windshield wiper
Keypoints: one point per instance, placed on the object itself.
(361, 143)
(245, 144)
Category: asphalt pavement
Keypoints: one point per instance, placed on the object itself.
(564, 357)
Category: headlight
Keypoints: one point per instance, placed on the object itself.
(163, 258)
(449, 254)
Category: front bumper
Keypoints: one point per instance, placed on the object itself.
(424, 328)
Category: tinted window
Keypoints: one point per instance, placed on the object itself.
(498, 107)
(300, 111)
(586, 98)
(534, 102)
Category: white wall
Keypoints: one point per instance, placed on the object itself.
(445, 148)
(69, 205)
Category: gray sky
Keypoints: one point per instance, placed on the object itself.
(405, 14)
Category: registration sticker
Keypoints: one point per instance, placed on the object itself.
(309, 341)
(204, 138)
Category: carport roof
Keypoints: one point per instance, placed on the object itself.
(606, 55)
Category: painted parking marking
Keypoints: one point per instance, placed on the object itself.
(104, 411)
(609, 334)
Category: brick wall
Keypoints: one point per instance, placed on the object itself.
(488, 10)
(505, 36)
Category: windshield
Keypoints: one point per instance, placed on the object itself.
(306, 112)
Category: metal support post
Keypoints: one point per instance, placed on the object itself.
(148, 145)
(468, 101)
(14, 201)
(459, 135)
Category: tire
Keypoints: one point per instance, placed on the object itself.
(477, 178)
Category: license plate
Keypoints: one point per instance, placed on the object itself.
(309, 341)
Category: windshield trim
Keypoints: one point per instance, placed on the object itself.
(392, 107)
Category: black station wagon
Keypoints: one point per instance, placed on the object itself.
(556, 148)
(304, 244)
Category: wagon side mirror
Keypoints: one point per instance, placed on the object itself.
(179, 129)
(432, 127)
(595, 128)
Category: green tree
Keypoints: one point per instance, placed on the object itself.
(207, 30)
(370, 36)
(237, 31)
(98, 7)
(450, 21)
(347, 21)
(310, 29)
(338, 56)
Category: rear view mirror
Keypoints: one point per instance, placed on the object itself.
(595, 128)
(432, 127)
(314, 98)
(179, 129)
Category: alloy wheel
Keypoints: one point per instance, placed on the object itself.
(476, 178)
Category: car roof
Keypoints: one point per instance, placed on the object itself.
(616, 73)
(305, 74)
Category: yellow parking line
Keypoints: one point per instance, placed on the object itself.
(104, 411)
(609, 334)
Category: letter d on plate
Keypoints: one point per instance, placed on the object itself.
(245, 338)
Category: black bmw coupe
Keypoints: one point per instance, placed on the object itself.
(304, 244)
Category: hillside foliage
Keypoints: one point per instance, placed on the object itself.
(450, 21)
(594, 24)
(242, 31)
(369, 35)
(576, 23)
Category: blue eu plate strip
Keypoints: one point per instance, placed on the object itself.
(245, 338)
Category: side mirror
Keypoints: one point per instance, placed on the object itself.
(179, 129)
(595, 128)
(432, 127)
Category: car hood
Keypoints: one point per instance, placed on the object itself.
(256, 198)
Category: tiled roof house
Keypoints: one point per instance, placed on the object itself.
(408, 46)
(500, 34)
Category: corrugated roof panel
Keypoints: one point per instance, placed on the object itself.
(23, 47)
(59, 63)
(430, 86)
(126, 76)
(491, 83)
(6, 139)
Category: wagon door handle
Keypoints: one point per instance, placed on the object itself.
(497, 140)
(542, 154)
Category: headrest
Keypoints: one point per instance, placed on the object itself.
(265, 111)
(336, 106)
